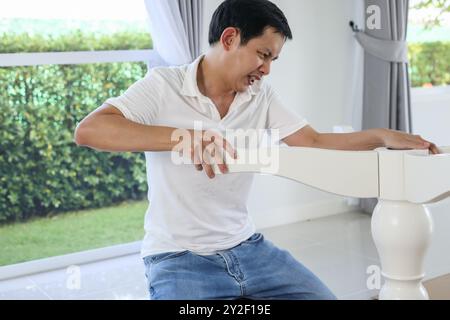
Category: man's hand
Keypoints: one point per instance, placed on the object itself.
(358, 141)
(398, 140)
(205, 149)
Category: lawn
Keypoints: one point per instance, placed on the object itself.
(72, 232)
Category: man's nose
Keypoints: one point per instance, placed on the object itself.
(265, 68)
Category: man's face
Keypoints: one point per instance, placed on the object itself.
(249, 63)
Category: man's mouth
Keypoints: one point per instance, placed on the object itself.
(252, 78)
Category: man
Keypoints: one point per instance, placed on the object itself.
(200, 242)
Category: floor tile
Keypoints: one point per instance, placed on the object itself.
(338, 249)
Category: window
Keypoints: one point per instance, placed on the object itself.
(429, 48)
(59, 60)
(54, 17)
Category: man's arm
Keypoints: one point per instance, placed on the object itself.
(106, 129)
(358, 141)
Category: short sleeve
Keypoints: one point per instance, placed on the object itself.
(140, 102)
(281, 118)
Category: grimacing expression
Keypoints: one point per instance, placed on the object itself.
(253, 60)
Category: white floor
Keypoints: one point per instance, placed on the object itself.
(338, 249)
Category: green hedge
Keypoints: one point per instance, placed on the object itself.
(430, 63)
(74, 41)
(42, 171)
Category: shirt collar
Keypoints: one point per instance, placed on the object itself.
(190, 86)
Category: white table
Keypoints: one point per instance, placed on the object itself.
(403, 181)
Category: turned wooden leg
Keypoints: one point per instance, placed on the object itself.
(402, 233)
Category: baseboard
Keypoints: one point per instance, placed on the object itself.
(301, 212)
(64, 261)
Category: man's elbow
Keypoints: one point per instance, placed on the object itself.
(81, 135)
(306, 137)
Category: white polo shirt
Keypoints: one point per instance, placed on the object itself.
(187, 210)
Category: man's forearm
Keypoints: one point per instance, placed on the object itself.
(356, 141)
(112, 133)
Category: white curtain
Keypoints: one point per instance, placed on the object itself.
(176, 27)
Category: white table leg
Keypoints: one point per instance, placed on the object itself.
(402, 233)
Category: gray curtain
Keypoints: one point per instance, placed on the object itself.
(192, 16)
(386, 80)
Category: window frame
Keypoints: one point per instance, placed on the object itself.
(152, 59)
(76, 57)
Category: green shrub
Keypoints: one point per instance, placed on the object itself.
(74, 41)
(430, 63)
(42, 171)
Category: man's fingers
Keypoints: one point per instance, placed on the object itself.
(209, 170)
(225, 145)
(196, 158)
(429, 145)
(218, 156)
(205, 161)
(424, 144)
(218, 140)
(209, 150)
(213, 155)
(434, 149)
(416, 142)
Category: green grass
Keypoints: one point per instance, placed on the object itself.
(72, 232)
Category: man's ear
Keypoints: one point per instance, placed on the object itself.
(230, 38)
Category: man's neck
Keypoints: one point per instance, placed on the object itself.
(211, 79)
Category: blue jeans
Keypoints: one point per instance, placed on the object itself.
(255, 269)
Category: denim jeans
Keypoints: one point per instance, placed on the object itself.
(255, 269)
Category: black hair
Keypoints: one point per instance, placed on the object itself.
(251, 17)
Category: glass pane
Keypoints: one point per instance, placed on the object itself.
(429, 59)
(45, 178)
(43, 23)
(429, 43)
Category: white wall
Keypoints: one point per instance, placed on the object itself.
(431, 114)
(317, 76)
